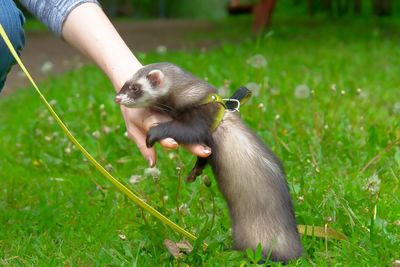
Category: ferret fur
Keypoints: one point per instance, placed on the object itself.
(249, 175)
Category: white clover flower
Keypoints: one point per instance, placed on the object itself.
(135, 179)
(56, 179)
(254, 88)
(172, 155)
(257, 61)
(302, 91)
(68, 150)
(262, 107)
(161, 49)
(122, 237)
(333, 87)
(373, 184)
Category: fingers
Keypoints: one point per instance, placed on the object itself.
(140, 139)
(199, 150)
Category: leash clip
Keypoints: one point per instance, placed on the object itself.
(232, 108)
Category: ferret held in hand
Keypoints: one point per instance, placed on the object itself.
(249, 175)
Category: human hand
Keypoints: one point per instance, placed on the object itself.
(139, 120)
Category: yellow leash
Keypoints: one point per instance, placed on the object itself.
(100, 168)
(303, 229)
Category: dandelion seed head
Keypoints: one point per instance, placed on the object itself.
(396, 108)
(153, 172)
(96, 134)
(50, 119)
(257, 61)
(254, 88)
(38, 132)
(135, 179)
(47, 67)
(302, 91)
(106, 129)
(184, 208)
(161, 49)
(373, 184)
(274, 91)
(109, 167)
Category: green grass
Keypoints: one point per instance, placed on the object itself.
(58, 210)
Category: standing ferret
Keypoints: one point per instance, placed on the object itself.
(249, 175)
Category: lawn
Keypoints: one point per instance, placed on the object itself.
(326, 100)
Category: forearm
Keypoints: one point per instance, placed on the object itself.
(89, 30)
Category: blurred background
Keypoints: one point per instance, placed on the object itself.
(199, 24)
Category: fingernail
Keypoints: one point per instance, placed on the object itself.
(172, 142)
(150, 162)
(207, 150)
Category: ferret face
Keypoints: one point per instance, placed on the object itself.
(143, 89)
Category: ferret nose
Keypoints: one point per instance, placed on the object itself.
(117, 100)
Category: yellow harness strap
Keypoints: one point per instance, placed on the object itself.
(215, 98)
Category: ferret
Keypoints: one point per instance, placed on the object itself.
(249, 175)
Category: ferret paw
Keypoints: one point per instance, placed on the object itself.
(153, 136)
(191, 178)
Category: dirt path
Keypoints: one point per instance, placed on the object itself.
(46, 55)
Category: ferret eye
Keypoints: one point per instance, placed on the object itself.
(134, 88)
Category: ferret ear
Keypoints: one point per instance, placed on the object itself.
(155, 77)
